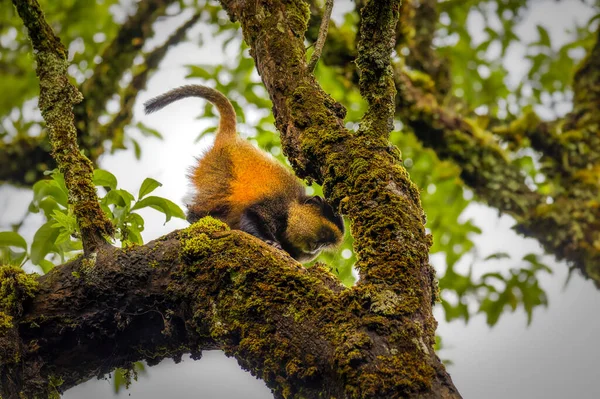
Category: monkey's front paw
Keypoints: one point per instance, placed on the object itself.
(274, 244)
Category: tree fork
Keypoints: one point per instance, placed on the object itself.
(361, 174)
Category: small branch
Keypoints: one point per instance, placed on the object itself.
(57, 97)
(115, 128)
(376, 41)
(322, 36)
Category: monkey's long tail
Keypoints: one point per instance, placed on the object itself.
(227, 124)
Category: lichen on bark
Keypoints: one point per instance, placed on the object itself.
(56, 100)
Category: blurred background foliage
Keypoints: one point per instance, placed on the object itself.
(481, 89)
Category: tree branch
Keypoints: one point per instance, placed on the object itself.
(115, 128)
(360, 173)
(570, 227)
(199, 289)
(314, 58)
(376, 42)
(57, 96)
(30, 154)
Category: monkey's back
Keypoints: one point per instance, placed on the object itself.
(232, 176)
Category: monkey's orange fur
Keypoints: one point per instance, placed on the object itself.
(227, 168)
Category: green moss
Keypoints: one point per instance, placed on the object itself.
(53, 383)
(15, 286)
(5, 321)
(198, 246)
(88, 264)
(208, 225)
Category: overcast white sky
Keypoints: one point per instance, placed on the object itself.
(556, 357)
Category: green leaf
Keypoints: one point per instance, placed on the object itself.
(163, 205)
(205, 72)
(105, 179)
(148, 186)
(134, 236)
(12, 239)
(119, 197)
(46, 265)
(136, 220)
(147, 131)
(544, 37)
(49, 188)
(137, 149)
(43, 242)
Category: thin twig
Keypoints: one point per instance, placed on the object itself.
(115, 129)
(322, 36)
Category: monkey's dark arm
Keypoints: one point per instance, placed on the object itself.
(254, 222)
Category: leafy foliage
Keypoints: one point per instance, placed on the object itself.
(122, 378)
(85, 38)
(494, 291)
(59, 236)
(477, 57)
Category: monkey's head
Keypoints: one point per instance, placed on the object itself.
(312, 226)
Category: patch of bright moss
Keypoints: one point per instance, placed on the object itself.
(208, 225)
(15, 286)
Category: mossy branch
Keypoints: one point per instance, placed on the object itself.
(376, 39)
(57, 97)
(570, 227)
(205, 288)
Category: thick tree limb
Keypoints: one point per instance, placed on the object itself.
(57, 97)
(362, 174)
(206, 288)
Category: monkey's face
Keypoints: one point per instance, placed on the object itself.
(311, 227)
